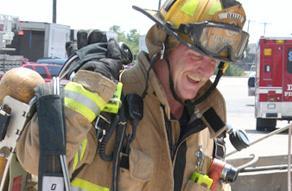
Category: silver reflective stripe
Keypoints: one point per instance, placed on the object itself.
(83, 100)
(77, 189)
(79, 152)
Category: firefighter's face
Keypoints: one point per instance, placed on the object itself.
(190, 71)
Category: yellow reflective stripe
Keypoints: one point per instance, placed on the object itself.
(86, 186)
(79, 99)
(215, 7)
(83, 100)
(78, 107)
(80, 154)
(190, 6)
(75, 160)
(83, 149)
(115, 102)
(78, 88)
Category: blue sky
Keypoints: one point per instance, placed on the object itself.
(88, 14)
(276, 14)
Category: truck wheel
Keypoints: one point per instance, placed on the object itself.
(266, 124)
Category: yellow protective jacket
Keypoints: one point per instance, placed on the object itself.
(151, 166)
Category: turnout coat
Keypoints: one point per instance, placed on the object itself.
(160, 160)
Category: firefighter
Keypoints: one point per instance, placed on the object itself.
(173, 144)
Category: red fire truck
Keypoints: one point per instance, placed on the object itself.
(273, 99)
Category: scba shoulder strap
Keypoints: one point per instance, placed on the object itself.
(53, 171)
(131, 111)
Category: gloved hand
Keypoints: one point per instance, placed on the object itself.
(94, 50)
(71, 48)
(84, 39)
(100, 64)
(109, 66)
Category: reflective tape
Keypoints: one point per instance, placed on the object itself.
(190, 7)
(76, 106)
(215, 7)
(81, 100)
(80, 153)
(83, 185)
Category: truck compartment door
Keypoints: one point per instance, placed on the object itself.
(287, 74)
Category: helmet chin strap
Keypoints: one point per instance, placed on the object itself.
(171, 84)
(153, 60)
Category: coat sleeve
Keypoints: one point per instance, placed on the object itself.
(78, 129)
(27, 148)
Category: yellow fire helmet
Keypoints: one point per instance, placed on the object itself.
(211, 27)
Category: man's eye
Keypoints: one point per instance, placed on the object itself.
(196, 57)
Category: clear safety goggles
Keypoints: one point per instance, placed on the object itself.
(220, 41)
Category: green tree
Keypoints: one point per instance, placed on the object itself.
(121, 34)
(131, 38)
(234, 70)
(133, 41)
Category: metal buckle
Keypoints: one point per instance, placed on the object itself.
(219, 150)
(100, 132)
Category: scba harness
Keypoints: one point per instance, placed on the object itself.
(119, 111)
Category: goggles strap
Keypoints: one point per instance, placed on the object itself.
(153, 60)
(171, 84)
(190, 104)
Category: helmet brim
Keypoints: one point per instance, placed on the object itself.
(155, 16)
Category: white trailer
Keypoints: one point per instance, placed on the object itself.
(39, 39)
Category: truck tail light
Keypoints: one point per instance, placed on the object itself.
(20, 33)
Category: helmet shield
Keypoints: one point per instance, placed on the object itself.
(223, 42)
(229, 13)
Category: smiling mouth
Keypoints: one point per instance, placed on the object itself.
(194, 79)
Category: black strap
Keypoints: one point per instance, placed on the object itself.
(179, 167)
(134, 105)
(215, 122)
(76, 172)
(51, 137)
(119, 139)
(188, 127)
